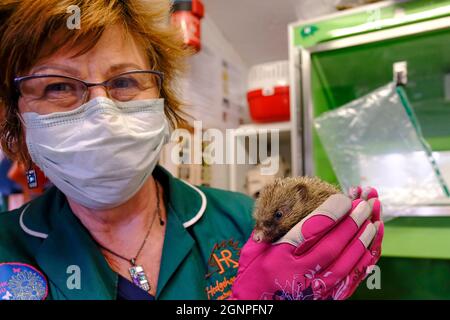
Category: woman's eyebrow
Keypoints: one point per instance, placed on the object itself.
(123, 66)
(66, 69)
(76, 73)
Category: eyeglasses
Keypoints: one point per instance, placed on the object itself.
(52, 93)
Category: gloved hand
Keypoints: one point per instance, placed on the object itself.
(324, 256)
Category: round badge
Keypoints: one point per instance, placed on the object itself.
(19, 281)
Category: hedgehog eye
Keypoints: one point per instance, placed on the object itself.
(278, 214)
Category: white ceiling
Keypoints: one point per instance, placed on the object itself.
(257, 29)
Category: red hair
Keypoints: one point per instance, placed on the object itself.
(31, 30)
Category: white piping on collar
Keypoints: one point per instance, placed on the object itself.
(27, 230)
(200, 212)
(186, 224)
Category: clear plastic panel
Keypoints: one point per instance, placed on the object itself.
(377, 141)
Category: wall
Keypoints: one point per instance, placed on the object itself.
(215, 92)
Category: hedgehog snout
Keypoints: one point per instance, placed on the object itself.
(262, 232)
(258, 236)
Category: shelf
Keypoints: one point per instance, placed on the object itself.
(238, 172)
(424, 238)
(249, 129)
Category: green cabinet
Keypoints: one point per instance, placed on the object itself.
(337, 59)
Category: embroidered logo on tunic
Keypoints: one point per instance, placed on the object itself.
(222, 268)
(20, 281)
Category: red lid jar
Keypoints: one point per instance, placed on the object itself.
(268, 92)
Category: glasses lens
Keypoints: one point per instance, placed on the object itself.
(52, 93)
(138, 85)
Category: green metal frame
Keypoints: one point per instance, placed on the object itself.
(416, 250)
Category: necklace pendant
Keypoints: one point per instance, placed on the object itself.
(139, 277)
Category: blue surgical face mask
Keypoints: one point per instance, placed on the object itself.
(100, 154)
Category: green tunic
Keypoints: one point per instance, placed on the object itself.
(206, 228)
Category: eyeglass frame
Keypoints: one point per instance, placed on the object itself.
(19, 80)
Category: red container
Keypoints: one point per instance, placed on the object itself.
(187, 17)
(269, 105)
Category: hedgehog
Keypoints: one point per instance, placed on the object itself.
(284, 202)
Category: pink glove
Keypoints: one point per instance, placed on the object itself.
(324, 256)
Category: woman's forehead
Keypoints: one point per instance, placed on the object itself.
(115, 51)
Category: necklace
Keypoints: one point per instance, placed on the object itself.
(137, 272)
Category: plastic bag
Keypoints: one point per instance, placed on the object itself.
(376, 141)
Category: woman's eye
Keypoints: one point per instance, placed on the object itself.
(124, 83)
(58, 88)
(278, 214)
(59, 91)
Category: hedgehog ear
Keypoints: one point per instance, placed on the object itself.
(302, 191)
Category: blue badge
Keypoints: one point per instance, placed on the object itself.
(20, 281)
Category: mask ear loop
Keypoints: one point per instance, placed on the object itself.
(30, 174)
